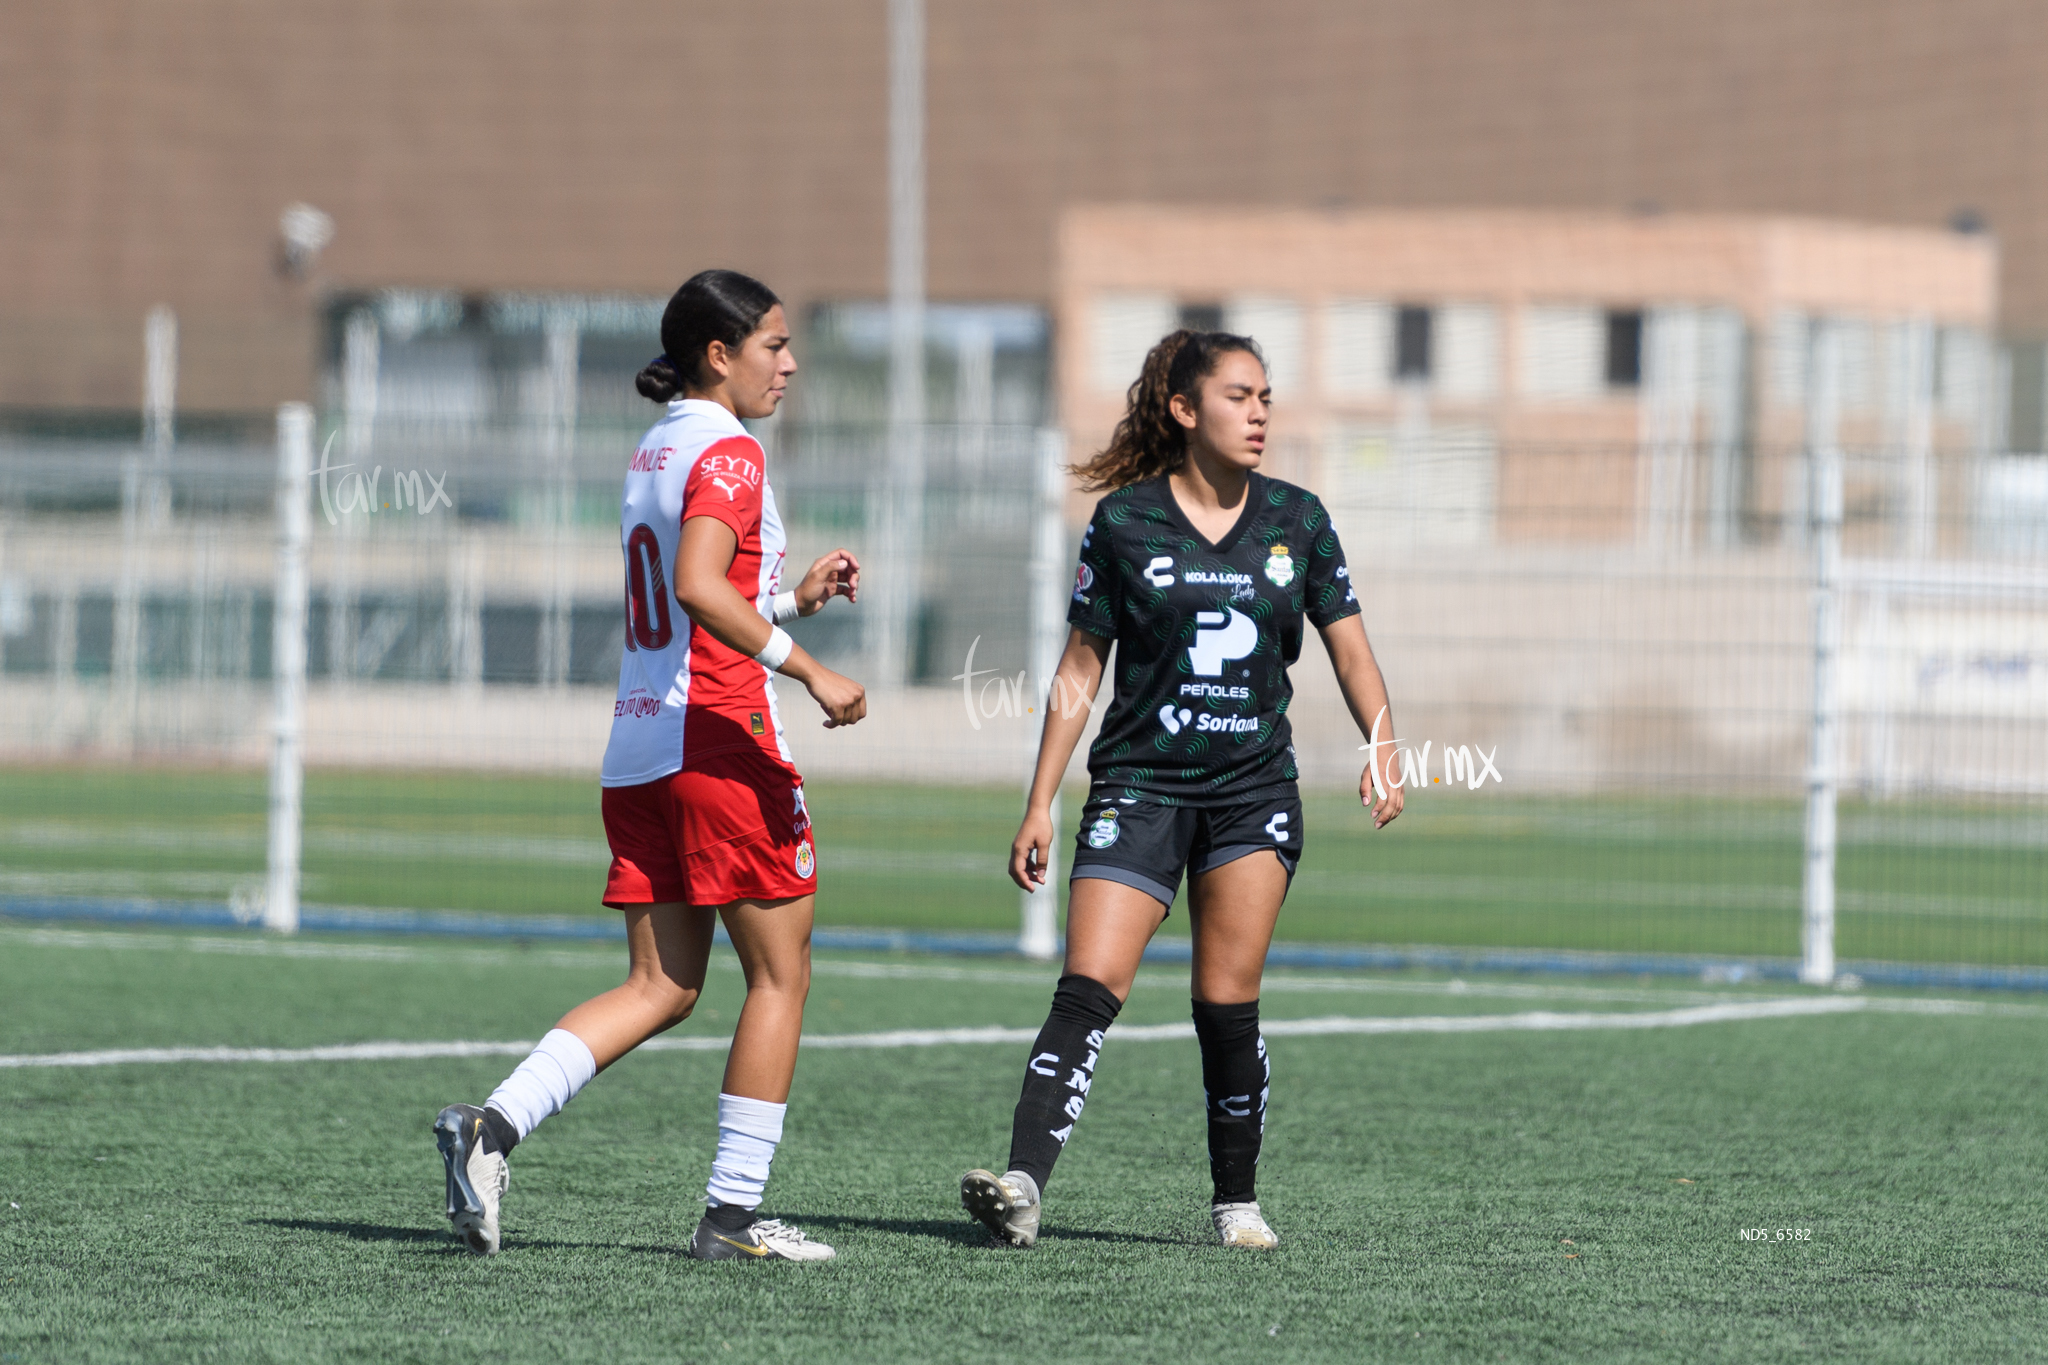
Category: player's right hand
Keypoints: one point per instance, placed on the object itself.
(1028, 851)
(844, 700)
(834, 575)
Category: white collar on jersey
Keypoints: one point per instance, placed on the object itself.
(704, 407)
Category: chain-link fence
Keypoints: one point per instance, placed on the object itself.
(1607, 711)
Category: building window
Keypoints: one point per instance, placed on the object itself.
(423, 356)
(1276, 325)
(985, 364)
(1357, 356)
(1121, 329)
(1561, 353)
(1624, 349)
(1785, 352)
(1467, 359)
(1411, 342)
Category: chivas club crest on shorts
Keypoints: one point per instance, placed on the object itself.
(806, 860)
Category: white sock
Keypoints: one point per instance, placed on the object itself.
(548, 1079)
(748, 1131)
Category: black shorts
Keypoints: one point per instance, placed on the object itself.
(1149, 847)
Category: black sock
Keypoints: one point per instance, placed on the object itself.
(1057, 1077)
(729, 1217)
(1235, 1075)
(500, 1129)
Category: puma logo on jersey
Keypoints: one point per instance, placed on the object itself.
(1220, 636)
(732, 490)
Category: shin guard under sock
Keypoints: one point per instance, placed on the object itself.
(1061, 1069)
(1235, 1074)
(548, 1079)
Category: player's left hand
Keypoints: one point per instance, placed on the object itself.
(1386, 806)
(836, 575)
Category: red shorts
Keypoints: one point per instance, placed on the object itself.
(728, 828)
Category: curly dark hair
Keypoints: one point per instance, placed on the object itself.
(1148, 441)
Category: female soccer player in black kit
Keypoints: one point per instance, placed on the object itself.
(1201, 571)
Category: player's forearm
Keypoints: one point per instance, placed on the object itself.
(1365, 693)
(1363, 686)
(1055, 748)
(725, 616)
(1069, 703)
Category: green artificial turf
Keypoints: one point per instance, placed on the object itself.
(1480, 1197)
(1919, 881)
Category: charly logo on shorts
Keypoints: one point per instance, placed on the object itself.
(1280, 566)
(806, 860)
(1105, 829)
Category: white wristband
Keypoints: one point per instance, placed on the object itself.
(785, 608)
(776, 652)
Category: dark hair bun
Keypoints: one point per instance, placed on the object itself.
(659, 381)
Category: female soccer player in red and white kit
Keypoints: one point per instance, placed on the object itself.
(702, 808)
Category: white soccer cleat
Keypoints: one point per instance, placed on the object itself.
(1242, 1225)
(478, 1176)
(1007, 1205)
(788, 1244)
(764, 1239)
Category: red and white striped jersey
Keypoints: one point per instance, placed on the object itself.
(683, 695)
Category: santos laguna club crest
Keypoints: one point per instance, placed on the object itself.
(1280, 567)
(1104, 831)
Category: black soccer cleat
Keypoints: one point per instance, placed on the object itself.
(478, 1175)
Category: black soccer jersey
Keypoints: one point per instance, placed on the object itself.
(1204, 635)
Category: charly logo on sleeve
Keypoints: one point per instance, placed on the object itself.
(1279, 566)
(1105, 829)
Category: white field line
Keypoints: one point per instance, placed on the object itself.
(1533, 1021)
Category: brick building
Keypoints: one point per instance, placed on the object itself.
(481, 149)
(1450, 377)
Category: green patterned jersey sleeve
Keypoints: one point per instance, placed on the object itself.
(1098, 589)
(1327, 595)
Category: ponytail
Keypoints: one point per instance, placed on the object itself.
(1148, 441)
